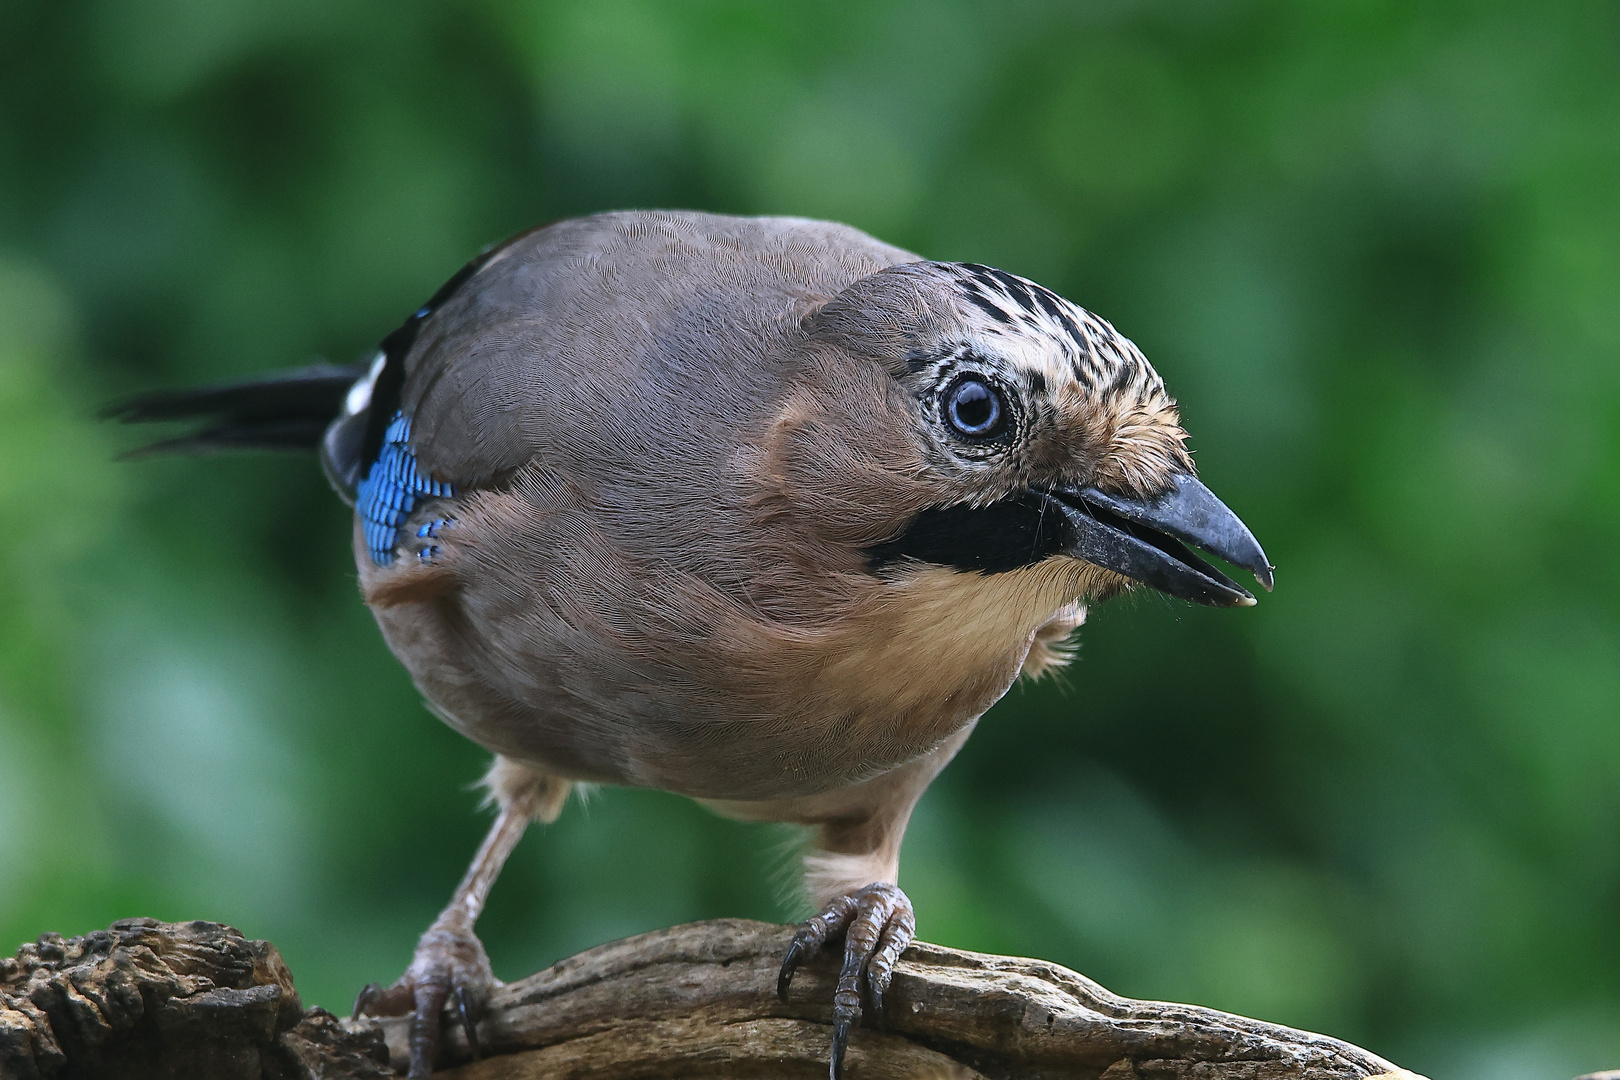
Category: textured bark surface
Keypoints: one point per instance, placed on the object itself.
(146, 999)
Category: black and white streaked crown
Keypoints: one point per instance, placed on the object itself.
(1102, 360)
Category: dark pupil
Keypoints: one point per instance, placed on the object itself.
(974, 409)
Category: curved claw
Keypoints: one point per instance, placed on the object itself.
(875, 993)
(790, 964)
(362, 1001)
(840, 1043)
(469, 1026)
(376, 1000)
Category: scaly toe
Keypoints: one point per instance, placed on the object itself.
(425, 1020)
(897, 934)
(811, 936)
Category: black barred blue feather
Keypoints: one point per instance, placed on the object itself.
(391, 489)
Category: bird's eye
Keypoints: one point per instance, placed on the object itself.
(974, 408)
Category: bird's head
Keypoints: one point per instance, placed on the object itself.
(1010, 428)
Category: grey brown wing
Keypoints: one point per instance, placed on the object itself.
(568, 343)
(366, 452)
(571, 332)
(456, 396)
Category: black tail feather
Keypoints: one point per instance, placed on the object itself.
(287, 411)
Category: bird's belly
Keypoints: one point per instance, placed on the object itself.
(704, 755)
(740, 709)
(789, 737)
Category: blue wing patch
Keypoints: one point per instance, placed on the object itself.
(391, 490)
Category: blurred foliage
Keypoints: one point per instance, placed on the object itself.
(1373, 247)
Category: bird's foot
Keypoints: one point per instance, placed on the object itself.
(877, 924)
(450, 970)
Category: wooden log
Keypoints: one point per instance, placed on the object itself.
(146, 999)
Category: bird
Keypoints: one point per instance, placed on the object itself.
(757, 510)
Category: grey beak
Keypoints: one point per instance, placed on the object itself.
(1144, 540)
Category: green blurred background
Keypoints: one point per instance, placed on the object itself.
(1374, 248)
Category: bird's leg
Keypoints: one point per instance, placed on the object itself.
(450, 964)
(449, 959)
(852, 877)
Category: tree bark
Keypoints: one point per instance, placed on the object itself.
(146, 999)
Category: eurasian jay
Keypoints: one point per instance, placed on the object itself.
(761, 511)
